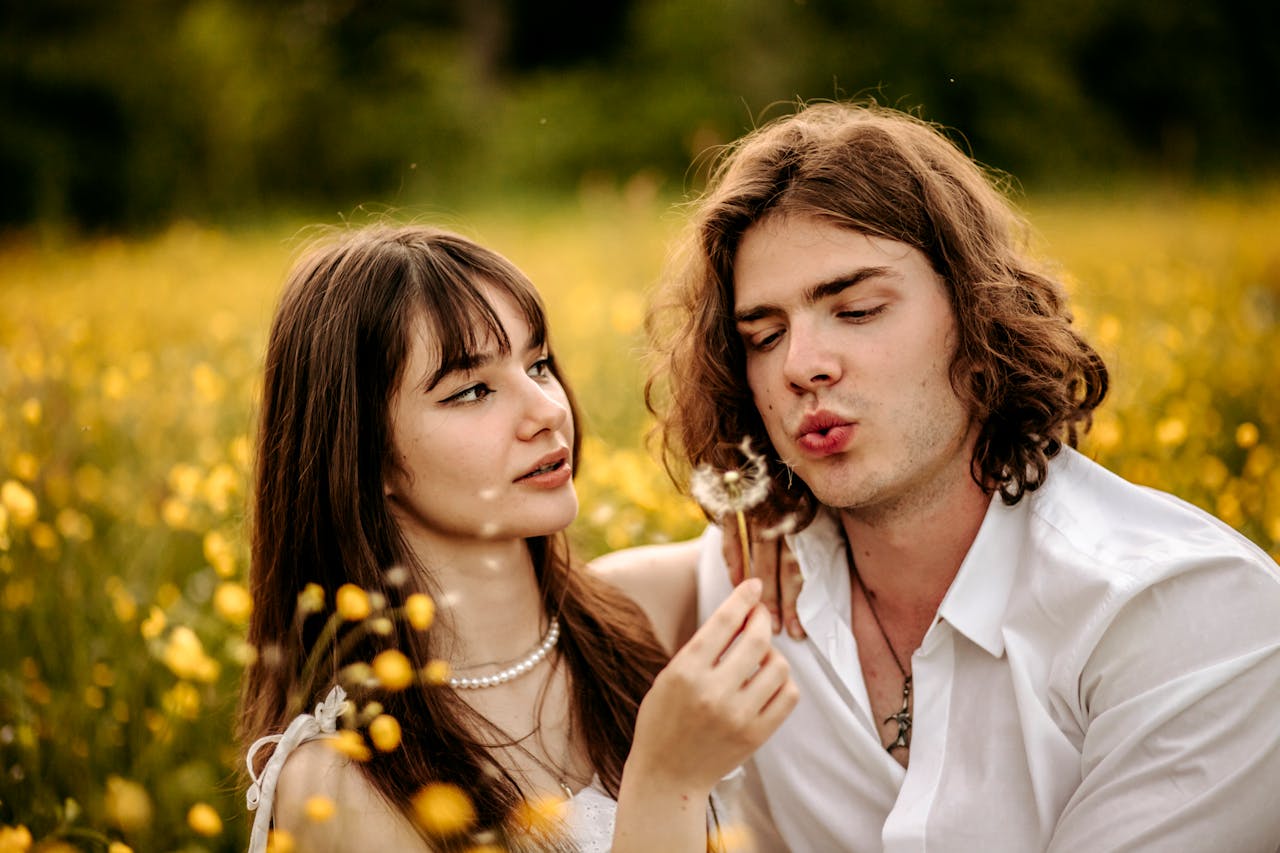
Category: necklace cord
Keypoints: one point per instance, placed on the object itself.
(904, 716)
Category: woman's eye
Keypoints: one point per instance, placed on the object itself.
(471, 394)
(541, 368)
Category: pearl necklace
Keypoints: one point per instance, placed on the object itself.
(515, 670)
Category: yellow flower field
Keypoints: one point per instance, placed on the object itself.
(128, 373)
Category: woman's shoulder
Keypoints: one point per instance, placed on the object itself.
(662, 580)
(325, 802)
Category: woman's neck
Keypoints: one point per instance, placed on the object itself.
(490, 603)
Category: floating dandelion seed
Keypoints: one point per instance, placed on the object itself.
(733, 492)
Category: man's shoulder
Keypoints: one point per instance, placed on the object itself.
(1109, 524)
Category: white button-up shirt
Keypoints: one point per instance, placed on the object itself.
(1103, 674)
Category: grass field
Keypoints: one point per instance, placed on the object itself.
(128, 373)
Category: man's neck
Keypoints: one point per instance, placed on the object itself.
(907, 556)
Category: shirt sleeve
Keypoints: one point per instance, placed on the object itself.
(1181, 710)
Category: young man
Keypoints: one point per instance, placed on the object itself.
(1008, 647)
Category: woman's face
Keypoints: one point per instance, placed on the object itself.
(485, 453)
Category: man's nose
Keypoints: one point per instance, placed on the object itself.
(811, 361)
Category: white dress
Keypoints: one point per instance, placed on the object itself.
(589, 818)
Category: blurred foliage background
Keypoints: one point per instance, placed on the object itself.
(124, 114)
(159, 162)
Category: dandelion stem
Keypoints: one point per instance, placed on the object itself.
(745, 542)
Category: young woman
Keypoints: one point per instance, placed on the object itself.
(417, 439)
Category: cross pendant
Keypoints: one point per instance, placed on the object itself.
(903, 719)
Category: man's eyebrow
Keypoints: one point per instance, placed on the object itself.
(816, 293)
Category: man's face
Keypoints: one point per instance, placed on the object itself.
(849, 340)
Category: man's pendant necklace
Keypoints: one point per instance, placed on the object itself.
(903, 717)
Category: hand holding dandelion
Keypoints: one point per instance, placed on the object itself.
(733, 492)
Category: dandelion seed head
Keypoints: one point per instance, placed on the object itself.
(381, 626)
(397, 576)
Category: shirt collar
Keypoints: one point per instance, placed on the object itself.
(974, 604)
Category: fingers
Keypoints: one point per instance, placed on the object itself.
(790, 582)
(709, 643)
(765, 567)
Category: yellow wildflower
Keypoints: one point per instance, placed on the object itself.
(127, 804)
(352, 602)
(119, 847)
(541, 816)
(75, 525)
(311, 599)
(443, 809)
(219, 553)
(392, 669)
(26, 466)
(420, 611)
(185, 656)
(319, 808)
(232, 602)
(280, 841)
(15, 839)
(436, 672)
(20, 502)
(204, 820)
(350, 744)
(1247, 435)
(32, 410)
(182, 700)
(153, 625)
(384, 731)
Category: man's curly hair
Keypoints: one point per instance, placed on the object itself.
(1029, 380)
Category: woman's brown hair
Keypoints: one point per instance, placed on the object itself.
(1030, 381)
(338, 345)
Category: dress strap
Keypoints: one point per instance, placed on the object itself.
(304, 727)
